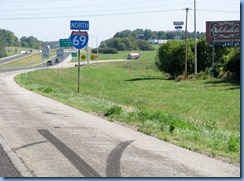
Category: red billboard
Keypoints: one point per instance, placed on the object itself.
(223, 31)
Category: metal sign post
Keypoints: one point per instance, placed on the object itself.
(45, 55)
(78, 87)
(79, 39)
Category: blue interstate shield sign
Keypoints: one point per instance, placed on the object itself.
(79, 39)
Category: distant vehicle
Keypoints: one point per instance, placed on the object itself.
(25, 52)
(57, 60)
(133, 56)
(47, 47)
(49, 63)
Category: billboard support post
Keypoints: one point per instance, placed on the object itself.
(213, 54)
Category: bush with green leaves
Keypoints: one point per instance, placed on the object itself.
(171, 58)
(105, 50)
(233, 65)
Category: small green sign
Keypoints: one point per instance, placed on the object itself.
(65, 43)
(74, 54)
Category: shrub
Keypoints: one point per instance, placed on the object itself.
(105, 50)
(115, 110)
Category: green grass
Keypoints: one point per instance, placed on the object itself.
(200, 115)
(121, 55)
(26, 62)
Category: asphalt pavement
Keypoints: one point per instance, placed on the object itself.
(49, 139)
(7, 168)
(14, 57)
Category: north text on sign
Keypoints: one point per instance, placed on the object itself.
(79, 25)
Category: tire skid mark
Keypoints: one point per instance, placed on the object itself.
(78, 162)
(28, 145)
(113, 161)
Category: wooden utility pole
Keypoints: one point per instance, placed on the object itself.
(195, 38)
(187, 9)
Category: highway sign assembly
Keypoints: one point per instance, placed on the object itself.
(79, 39)
(45, 53)
(83, 57)
(65, 42)
(79, 25)
(60, 54)
(74, 54)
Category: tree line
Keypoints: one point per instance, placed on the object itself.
(160, 35)
(128, 40)
(123, 44)
(8, 39)
(171, 59)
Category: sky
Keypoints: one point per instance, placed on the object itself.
(49, 20)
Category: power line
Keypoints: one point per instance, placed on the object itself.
(95, 15)
(120, 9)
(217, 11)
(31, 1)
(212, 2)
(84, 6)
(91, 15)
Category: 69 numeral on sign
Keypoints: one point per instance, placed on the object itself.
(79, 40)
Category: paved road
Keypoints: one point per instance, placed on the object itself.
(11, 58)
(44, 65)
(50, 139)
(7, 169)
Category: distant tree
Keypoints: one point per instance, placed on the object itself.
(171, 58)
(204, 55)
(30, 42)
(144, 45)
(8, 38)
(161, 35)
(123, 44)
(233, 65)
(170, 35)
(128, 42)
(105, 50)
(124, 34)
(103, 44)
(2, 51)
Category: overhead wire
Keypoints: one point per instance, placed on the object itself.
(220, 3)
(104, 10)
(98, 13)
(91, 15)
(217, 11)
(83, 6)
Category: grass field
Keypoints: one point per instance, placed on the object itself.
(26, 62)
(200, 115)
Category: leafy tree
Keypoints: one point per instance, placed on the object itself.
(144, 45)
(204, 55)
(149, 34)
(170, 58)
(123, 44)
(30, 42)
(103, 44)
(233, 65)
(2, 51)
(105, 50)
(8, 38)
(124, 34)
